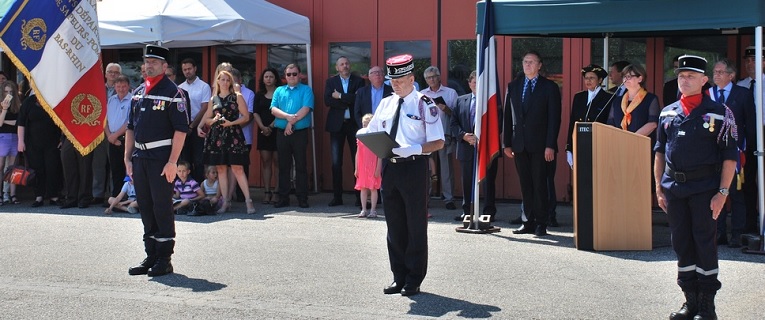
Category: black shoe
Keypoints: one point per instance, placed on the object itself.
(304, 203)
(70, 204)
(518, 220)
(490, 210)
(37, 204)
(524, 229)
(160, 268)
(541, 230)
(336, 202)
(393, 288)
(142, 268)
(281, 204)
(554, 223)
(409, 291)
(450, 205)
(735, 242)
(55, 202)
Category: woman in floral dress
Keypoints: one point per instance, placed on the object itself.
(224, 144)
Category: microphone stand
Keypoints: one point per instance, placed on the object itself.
(604, 106)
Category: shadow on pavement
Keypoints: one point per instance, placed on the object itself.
(433, 305)
(178, 280)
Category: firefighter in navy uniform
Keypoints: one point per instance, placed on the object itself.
(410, 118)
(695, 162)
(156, 130)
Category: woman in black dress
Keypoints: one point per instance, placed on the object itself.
(225, 145)
(40, 140)
(269, 81)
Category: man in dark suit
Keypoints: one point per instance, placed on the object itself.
(615, 76)
(339, 96)
(670, 93)
(741, 103)
(532, 123)
(368, 97)
(463, 127)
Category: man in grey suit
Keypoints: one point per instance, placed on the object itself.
(462, 128)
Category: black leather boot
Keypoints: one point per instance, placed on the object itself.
(689, 308)
(706, 306)
(162, 265)
(151, 258)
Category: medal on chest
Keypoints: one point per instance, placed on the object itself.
(158, 105)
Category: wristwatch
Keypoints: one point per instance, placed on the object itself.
(724, 191)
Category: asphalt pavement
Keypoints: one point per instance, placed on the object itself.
(324, 263)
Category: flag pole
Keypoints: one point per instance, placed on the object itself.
(486, 78)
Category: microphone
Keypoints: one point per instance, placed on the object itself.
(604, 106)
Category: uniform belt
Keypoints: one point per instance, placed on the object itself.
(153, 144)
(698, 174)
(407, 159)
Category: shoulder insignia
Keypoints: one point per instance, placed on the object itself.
(433, 111)
(427, 99)
(668, 113)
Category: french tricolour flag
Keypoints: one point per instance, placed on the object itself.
(55, 45)
(487, 99)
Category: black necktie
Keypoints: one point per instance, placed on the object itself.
(721, 98)
(751, 85)
(394, 127)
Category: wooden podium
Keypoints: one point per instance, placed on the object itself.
(612, 188)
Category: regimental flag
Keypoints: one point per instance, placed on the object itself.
(487, 99)
(55, 45)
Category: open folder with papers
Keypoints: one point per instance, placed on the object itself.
(379, 142)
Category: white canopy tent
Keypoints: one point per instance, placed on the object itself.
(199, 23)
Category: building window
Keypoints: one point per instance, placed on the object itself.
(420, 51)
(632, 50)
(551, 50)
(710, 47)
(242, 57)
(461, 61)
(359, 54)
(280, 55)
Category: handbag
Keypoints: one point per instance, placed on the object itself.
(19, 174)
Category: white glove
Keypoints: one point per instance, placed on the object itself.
(408, 151)
(570, 159)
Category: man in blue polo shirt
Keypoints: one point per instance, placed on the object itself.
(292, 105)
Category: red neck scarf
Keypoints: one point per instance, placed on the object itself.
(151, 82)
(690, 102)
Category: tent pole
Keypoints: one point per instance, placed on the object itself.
(758, 240)
(758, 103)
(313, 132)
(605, 58)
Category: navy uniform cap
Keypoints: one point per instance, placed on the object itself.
(157, 52)
(749, 52)
(399, 66)
(691, 63)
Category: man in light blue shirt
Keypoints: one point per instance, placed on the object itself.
(292, 105)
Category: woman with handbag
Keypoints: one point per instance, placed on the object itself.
(9, 140)
(40, 138)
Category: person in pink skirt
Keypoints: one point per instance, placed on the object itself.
(367, 172)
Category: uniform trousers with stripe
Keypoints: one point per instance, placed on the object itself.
(155, 198)
(694, 235)
(404, 190)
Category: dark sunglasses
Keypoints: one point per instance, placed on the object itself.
(288, 74)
